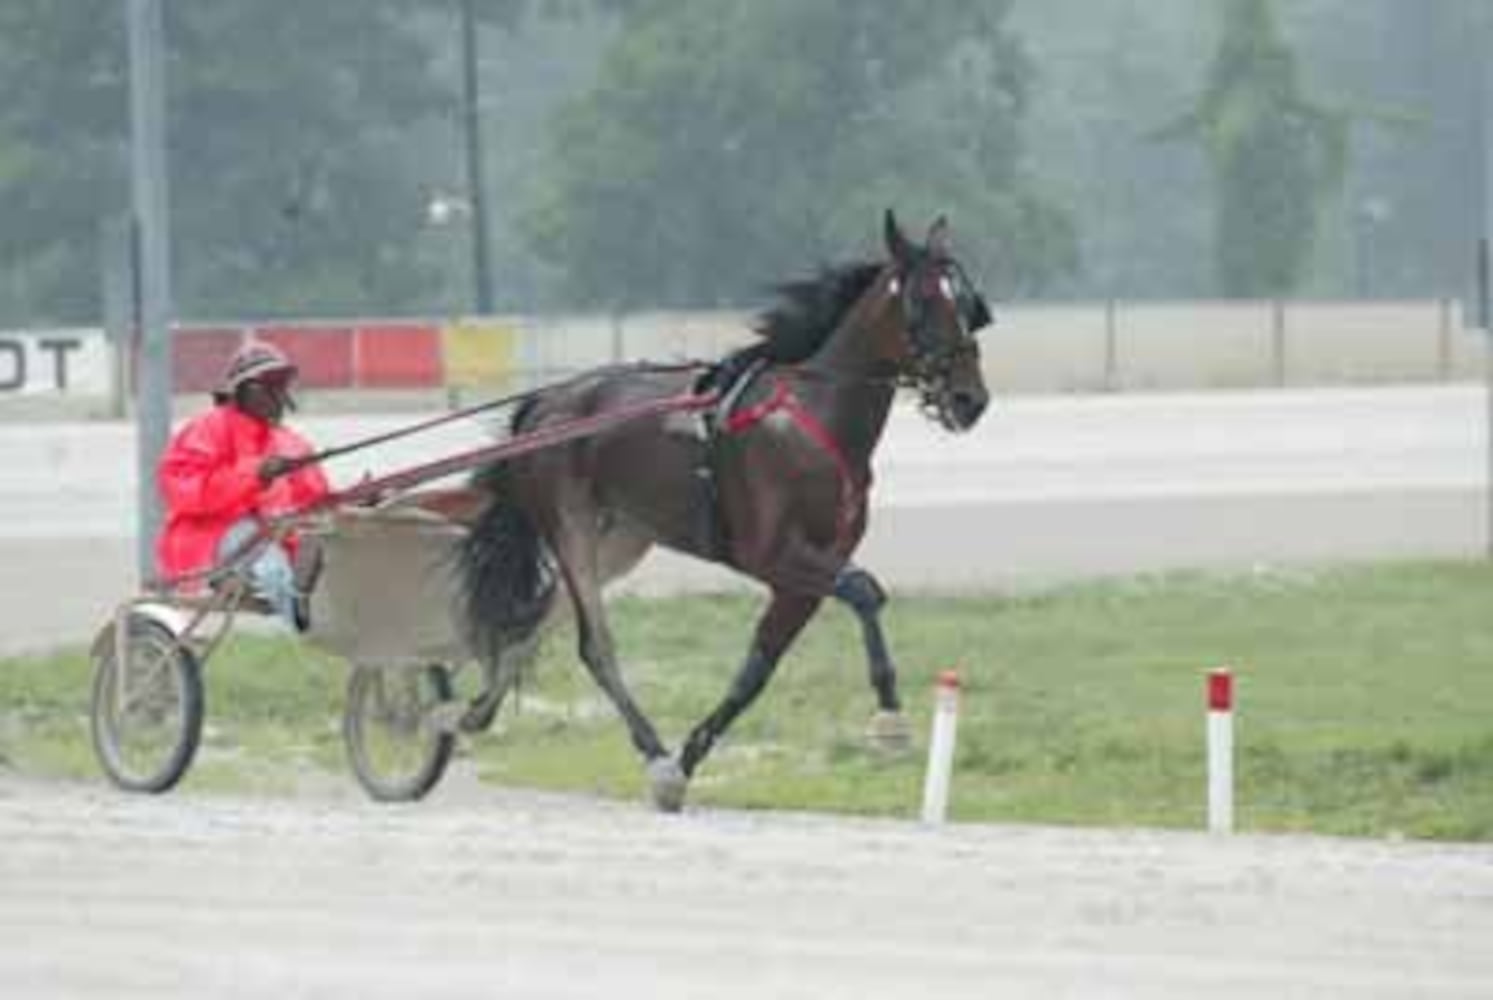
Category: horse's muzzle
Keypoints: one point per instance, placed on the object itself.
(964, 409)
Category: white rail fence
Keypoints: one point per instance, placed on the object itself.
(1131, 346)
(1087, 347)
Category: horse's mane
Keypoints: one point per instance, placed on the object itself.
(809, 309)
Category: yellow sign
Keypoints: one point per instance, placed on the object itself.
(479, 353)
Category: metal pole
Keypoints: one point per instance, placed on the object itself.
(153, 387)
(1485, 308)
(1488, 434)
(1278, 340)
(472, 129)
(1111, 347)
(119, 298)
(1485, 316)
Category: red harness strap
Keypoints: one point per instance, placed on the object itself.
(782, 397)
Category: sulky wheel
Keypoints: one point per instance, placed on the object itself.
(146, 718)
(395, 746)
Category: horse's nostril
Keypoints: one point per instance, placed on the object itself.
(968, 408)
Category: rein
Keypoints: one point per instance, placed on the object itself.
(522, 444)
(317, 457)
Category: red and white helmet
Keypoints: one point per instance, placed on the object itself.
(256, 359)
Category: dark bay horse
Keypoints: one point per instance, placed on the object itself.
(774, 483)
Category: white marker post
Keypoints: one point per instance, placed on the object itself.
(1220, 751)
(941, 747)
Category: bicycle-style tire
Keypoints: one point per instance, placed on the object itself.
(389, 707)
(145, 737)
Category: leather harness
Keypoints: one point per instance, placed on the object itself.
(728, 420)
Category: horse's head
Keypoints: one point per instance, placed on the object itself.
(941, 311)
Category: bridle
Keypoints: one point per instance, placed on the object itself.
(933, 356)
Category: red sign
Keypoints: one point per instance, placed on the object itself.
(199, 356)
(323, 353)
(398, 356)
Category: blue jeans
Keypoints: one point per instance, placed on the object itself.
(270, 572)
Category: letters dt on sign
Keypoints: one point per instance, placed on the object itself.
(73, 362)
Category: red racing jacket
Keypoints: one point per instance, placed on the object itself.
(208, 478)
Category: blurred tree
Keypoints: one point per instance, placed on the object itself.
(62, 156)
(1426, 181)
(288, 129)
(1275, 155)
(286, 145)
(1104, 72)
(727, 145)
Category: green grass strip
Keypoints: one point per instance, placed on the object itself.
(1364, 705)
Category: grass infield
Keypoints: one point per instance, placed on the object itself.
(1364, 705)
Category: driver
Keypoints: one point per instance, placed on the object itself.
(227, 469)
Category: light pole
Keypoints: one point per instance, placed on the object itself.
(1372, 212)
(1485, 248)
(151, 230)
(472, 133)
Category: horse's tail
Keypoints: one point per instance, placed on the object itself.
(508, 579)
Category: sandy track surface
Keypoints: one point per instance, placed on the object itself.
(486, 893)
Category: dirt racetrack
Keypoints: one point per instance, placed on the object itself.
(486, 893)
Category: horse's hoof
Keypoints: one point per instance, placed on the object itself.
(479, 715)
(667, 784)
(888, 733)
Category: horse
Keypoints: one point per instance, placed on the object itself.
(773, 482)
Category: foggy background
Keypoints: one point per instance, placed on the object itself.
(690, 153)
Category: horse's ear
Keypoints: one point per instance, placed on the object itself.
(939, 241)
(897, 245)
(979, 314)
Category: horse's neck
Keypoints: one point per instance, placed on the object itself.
(853, 349)
(850, 384)
(859, 417)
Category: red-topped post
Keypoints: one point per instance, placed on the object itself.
(1221, 750)
(941, 747)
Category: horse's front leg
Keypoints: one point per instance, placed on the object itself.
(863, 594)
(779, 625)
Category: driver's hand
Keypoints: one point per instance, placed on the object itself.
(273, 467)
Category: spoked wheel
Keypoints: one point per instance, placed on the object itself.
(146, 714)
(397, 749)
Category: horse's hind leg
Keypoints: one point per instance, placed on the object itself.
(779, 625)
(577, 557)
(863, 594)
(498, 678)
(618, 552)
